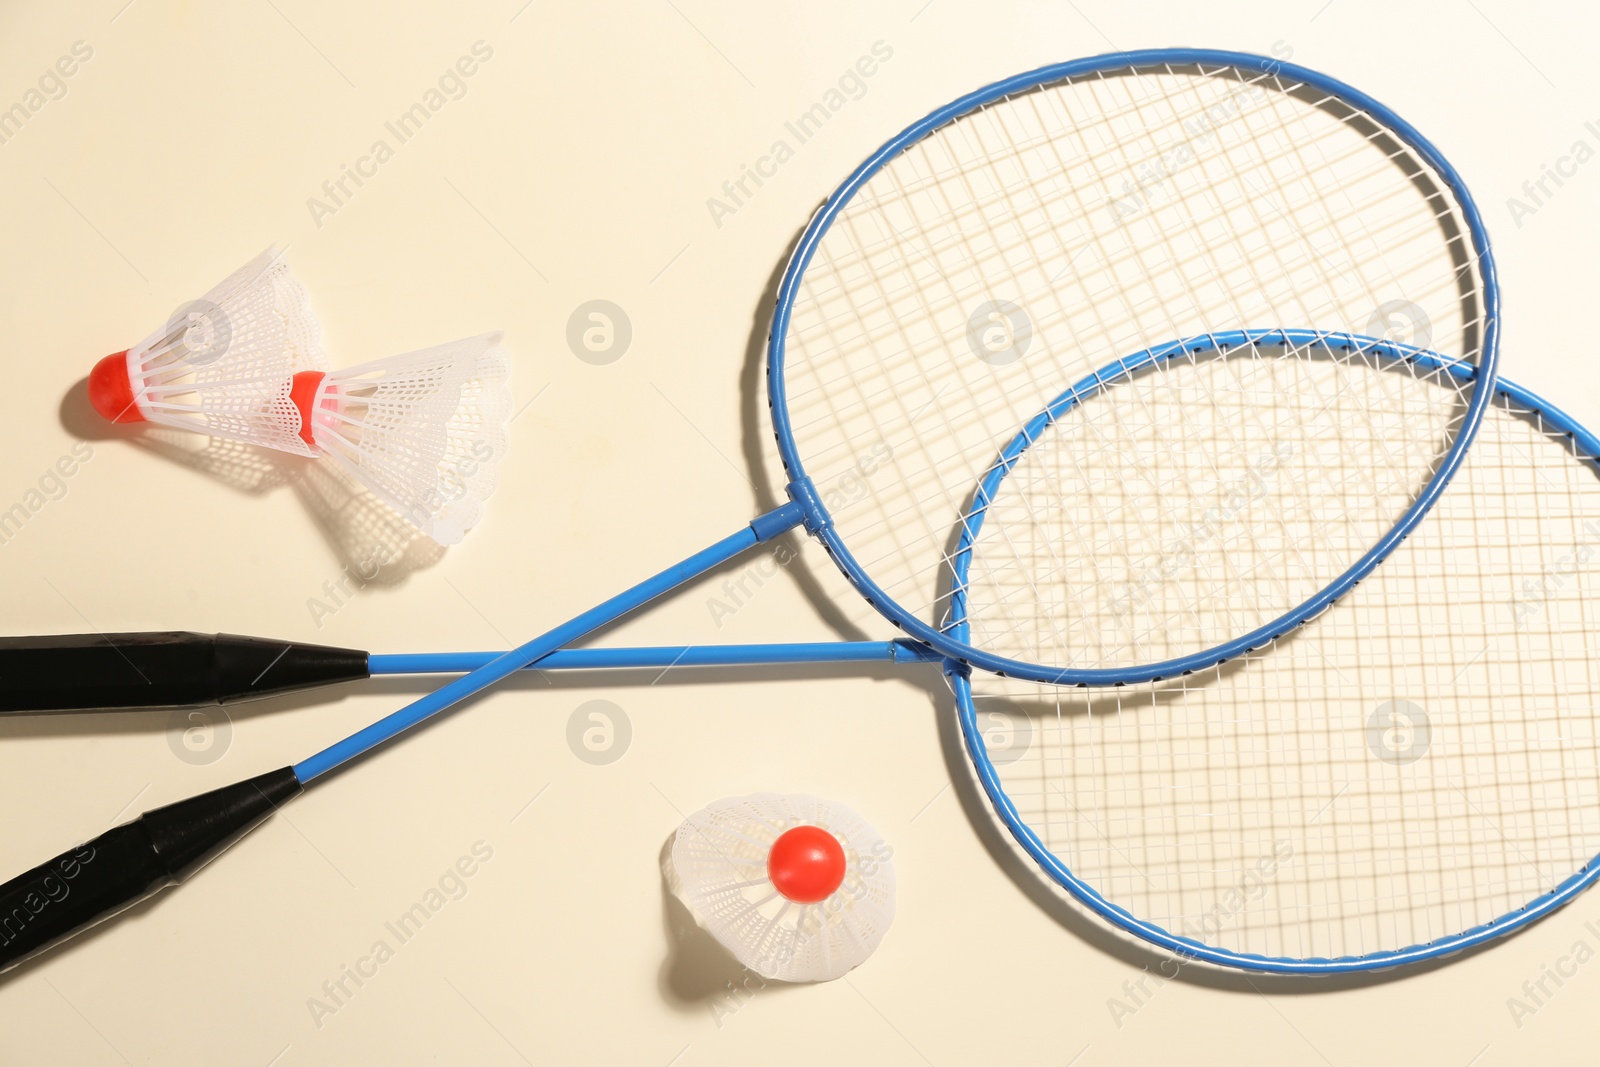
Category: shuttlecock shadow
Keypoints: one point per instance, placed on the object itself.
(699, 974)
(375, 545)
(366, 533)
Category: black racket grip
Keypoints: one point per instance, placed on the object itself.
(127, 863)
(78, 672)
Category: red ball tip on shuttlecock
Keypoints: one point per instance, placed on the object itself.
(111, 392)
(806, 864)
(303, 393)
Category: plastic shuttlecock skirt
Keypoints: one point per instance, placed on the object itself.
(797, 888)
(220, 365)
(424, 432)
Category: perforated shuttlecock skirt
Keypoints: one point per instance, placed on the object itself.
(221, 365)
(720, 856)
(424, 431)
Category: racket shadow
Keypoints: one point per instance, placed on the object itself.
(757, 435)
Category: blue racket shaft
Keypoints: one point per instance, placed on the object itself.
(666, 657)
(765, 528)
(162, 847)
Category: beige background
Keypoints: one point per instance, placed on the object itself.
(577, 166)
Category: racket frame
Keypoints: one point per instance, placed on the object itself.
(819, 522)
(1551, 418)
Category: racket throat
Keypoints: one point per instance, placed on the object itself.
(781, 520)
(803, 495)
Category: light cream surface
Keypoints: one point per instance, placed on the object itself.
(576, 166)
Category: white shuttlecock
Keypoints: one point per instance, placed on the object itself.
(221, 365)
(797, 888)
(424, 432)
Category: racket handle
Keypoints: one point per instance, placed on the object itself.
(127, 863)
(77, 672)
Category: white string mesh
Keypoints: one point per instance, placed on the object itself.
(425, 431)
(1422, 759)
(221, 365)
(1105, 545)
(997, 261)
(720, 859)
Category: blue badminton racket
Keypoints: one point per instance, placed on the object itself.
(1181, 506)
(1416, 774)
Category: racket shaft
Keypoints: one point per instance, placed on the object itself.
(761, 529)
(667, 657)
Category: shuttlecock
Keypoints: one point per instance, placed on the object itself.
(221, 365)
(423, 431)
(797, 888)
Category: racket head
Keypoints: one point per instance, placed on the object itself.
(1458, 277)
(1414, 776)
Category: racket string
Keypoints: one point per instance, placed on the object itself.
(1000, 203)
(1424, 759)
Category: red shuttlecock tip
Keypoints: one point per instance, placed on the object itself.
(806, 864)
(303, 393)
(111, 392)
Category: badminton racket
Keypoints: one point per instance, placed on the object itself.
(942, 298)
(1415, 774)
